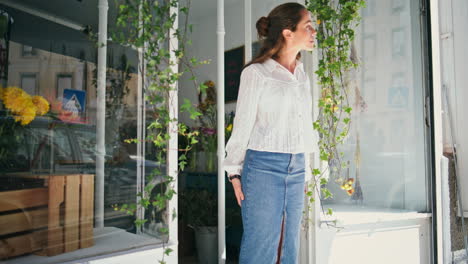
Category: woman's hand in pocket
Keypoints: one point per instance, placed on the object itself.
(236, 184)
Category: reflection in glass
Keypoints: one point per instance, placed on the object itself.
(57, 151)
(386, 145)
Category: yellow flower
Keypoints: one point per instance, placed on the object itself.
(229, 128)
(26, 115)
(210, 83)
(42, 106)
(319, 21)
(15, 99)
(21, 104)
(334, 108)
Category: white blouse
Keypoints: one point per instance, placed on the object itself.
(273, 113)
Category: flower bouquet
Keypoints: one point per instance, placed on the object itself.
(19, 110)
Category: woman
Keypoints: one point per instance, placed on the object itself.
(267, 157)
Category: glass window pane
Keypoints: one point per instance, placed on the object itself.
(64, 81)
(54, 150)
(28, 51)
(28, 83)
(386, 144)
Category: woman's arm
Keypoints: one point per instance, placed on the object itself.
(244, 119)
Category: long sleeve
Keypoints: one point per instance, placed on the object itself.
(244, 120)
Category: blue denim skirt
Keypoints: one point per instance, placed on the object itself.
(273, 187)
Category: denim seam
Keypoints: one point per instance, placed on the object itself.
(279, 238)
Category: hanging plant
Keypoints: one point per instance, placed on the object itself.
(336, 21)
(148, 25)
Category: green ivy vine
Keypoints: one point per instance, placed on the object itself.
(335, 22)
(148, 25)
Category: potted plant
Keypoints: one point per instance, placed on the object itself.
(199, 209)
(208, 126)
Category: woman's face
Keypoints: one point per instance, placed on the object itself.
(304, 36)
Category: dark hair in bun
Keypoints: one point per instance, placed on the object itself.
(262, 26)
(270, 28)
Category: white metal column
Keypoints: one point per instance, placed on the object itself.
(220, 116)
(101, 114)
(172, 153)
(141, 124)
(248, 30)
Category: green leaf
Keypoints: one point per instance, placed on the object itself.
(194, 115)
(316, 172)
(323, 181)
(203, 87)
(327, 194)
(140, 222)
(164, 230)
(186, 106)
(324, 156)
(182, 165)
(168, 251)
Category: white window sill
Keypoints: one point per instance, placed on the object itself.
(347, 215)
(108, 241)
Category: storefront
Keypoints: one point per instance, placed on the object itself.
(391, 142)
(63, 173)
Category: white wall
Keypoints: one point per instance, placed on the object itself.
(383, 241)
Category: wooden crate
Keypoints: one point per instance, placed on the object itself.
(52, 220)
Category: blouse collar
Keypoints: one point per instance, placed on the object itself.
(272, 64)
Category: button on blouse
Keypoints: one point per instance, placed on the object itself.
(273, 113)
